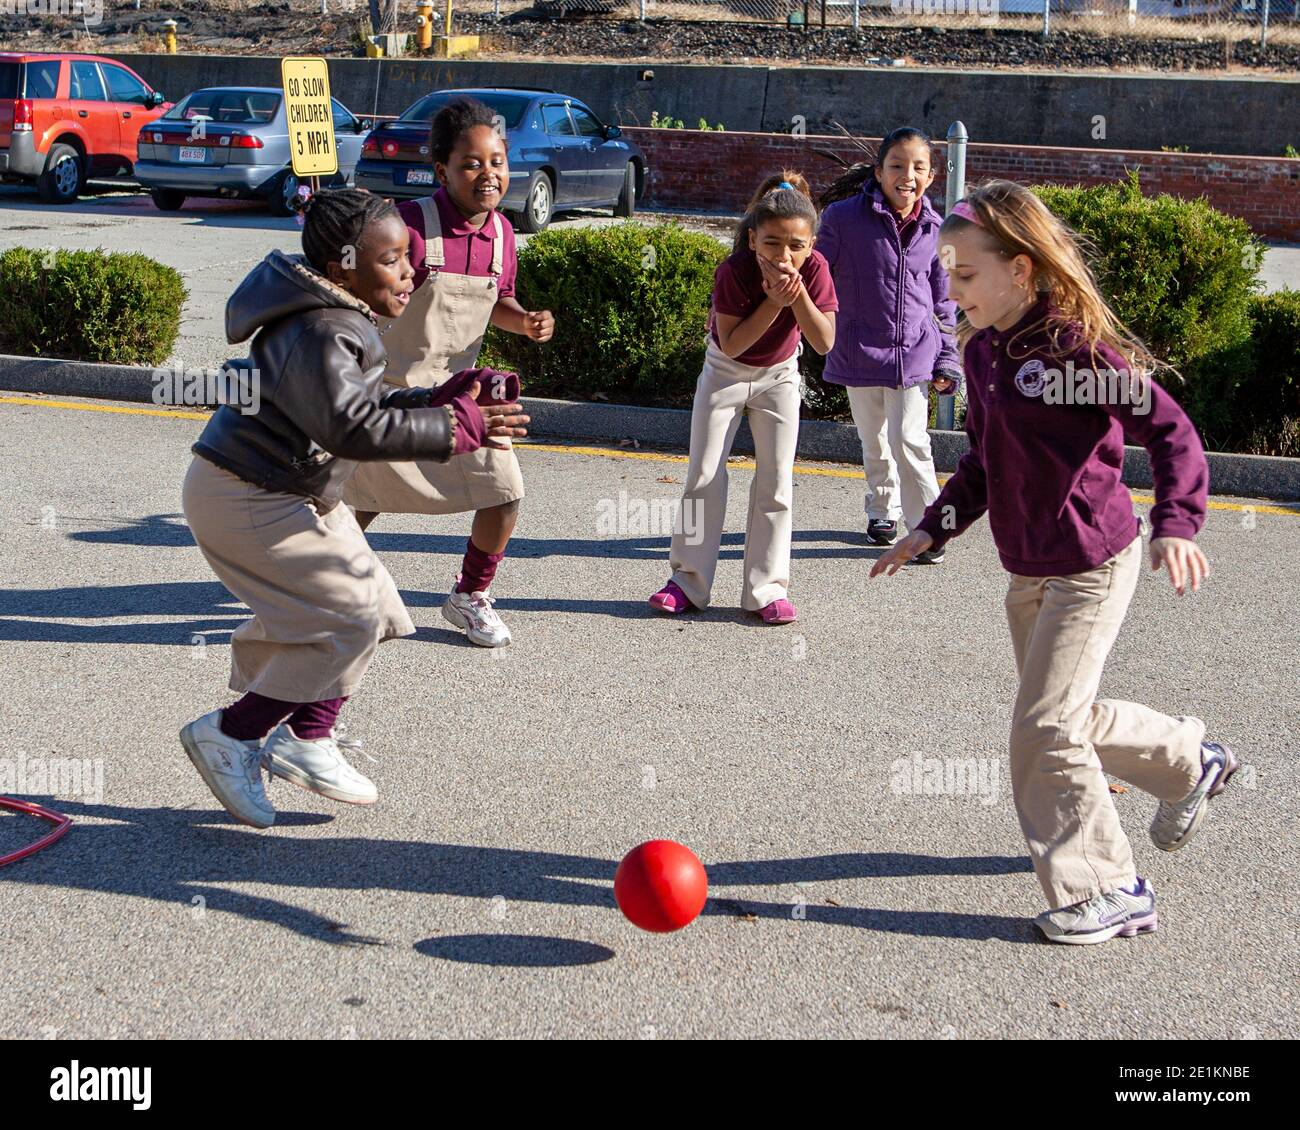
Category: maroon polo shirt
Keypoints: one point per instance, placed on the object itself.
(467, 249)
(738, 290)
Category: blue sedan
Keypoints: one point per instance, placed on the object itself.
(561, 155)
(233, 142)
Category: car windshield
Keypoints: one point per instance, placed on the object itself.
(227, 107)
(511, 107)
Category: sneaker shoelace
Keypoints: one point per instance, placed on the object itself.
(482, 604)
(355, 746)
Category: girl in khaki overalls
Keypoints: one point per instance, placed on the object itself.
(464, 255)
(262, 499)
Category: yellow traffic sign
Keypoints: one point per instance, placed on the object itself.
(306, 84)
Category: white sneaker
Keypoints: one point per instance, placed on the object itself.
(473, 612)
(230, 768)
(1176, 822)
(317, 766)
(1102, 917)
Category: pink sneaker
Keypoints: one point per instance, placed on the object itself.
(670, 599)
(779, 612)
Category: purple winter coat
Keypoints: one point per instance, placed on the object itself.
(896, 321)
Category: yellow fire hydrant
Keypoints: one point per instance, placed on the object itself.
(424, 21)
(170, 36)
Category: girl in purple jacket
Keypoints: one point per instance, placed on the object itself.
(880, 236)
(1055, 384)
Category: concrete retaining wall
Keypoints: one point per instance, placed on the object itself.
(1243, 115)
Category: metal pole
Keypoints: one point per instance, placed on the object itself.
(1263, 28)
(1047, 18)
(945, 412)
(857, 17)
(642, 10)
(955, 184)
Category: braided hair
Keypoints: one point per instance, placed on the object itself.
(336, 219)
(862, 175)
(457, 117)
(782, 196)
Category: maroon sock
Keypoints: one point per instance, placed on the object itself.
(315, 720)
(478, 569)
(254, 716)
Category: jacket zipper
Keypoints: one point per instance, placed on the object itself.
(898, 320)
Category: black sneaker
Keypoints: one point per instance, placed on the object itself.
(929, 557)
(880, 532)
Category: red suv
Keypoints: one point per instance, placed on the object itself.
(65, 118)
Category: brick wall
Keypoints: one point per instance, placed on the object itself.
(713, 171)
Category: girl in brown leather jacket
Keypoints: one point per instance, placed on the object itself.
(262, 498)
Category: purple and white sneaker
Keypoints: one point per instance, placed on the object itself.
(1176, 822)
(1126, 912)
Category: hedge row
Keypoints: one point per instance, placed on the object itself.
(89, 306)
(634, 301)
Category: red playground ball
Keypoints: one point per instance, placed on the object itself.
(661, 886)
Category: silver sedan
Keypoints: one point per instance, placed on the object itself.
(234, 142)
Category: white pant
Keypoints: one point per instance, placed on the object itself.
(770, 396)
(902, 414)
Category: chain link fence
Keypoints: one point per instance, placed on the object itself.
(1149, 17)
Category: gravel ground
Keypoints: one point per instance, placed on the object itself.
(231, 26)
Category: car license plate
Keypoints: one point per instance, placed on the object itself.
(419, 176)
(193, 153)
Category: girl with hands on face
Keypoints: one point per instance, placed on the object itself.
(772, 289)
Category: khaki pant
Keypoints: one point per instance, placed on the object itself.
(1062, 737)
(321, 600)
(893, 424)
(770, 396)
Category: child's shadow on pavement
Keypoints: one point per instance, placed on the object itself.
(182, 855)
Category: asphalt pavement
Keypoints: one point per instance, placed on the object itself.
(475, 898)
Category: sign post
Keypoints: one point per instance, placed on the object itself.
(310, 114)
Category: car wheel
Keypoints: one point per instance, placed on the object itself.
(537, 204)
(626, 205)
(283, 190)
(167, 199)
(64, 176)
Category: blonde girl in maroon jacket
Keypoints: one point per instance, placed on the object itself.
(1056, 384)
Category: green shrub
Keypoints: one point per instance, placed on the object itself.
(1178, 272)
(89, 306)
(631, 303)
(1247, 397)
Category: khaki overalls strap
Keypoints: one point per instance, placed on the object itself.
(434, 258)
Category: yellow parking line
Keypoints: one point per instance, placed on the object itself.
(105, 408)
(1285, 510)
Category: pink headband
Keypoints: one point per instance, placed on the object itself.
(963, 209)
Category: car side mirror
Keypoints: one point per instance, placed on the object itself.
(154, 98)
(612, 132)
(363, 124)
